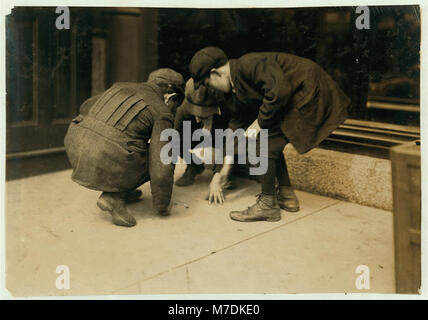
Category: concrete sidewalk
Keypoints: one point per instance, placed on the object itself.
(52, 221)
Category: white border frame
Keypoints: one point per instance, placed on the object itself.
(6, 7)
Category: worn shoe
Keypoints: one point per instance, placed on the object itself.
(132, 196)
(287, 199)
(265, 209)
(114, 204)
(188, 178)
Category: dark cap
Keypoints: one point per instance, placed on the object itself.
(168, 78)
(203, 96)
(203, 61)
(201, 102)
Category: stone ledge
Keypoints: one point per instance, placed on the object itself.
(355, 178)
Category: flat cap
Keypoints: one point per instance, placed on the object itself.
(200, 102)
(167, 77)
(203, 96)
(203, 61)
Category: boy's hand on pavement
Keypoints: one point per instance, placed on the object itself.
(215, 194)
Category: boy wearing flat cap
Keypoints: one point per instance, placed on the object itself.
(108, 143)
(205, 108)
(202, 110)
(293, 97)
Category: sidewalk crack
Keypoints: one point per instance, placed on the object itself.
(238, 242)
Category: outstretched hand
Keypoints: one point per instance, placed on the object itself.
(215, 194)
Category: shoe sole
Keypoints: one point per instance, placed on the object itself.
(276, 219)
(290, 210)
(273, 219)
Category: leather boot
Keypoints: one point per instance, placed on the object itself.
(114, 203)
(287, 199)
(188, 178)
(265, 209)
(133, 196)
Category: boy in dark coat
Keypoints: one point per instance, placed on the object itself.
(107, 144)
(293, 97)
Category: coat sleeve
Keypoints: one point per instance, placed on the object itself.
(268, 78)
(161, 175)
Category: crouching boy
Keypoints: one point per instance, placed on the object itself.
(108, 143)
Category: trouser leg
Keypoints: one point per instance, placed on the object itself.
(287, 199)
(268, 179)
(266, 206)
(282, 172)
(276, 164)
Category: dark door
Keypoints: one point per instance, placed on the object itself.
(47, 77)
